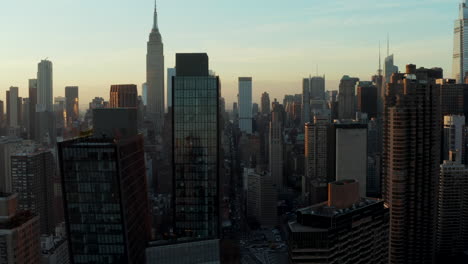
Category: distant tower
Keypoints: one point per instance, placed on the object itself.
(276, 158)
(12, 105)
(45, 87)
(155, 76)
(265, 104)
(306, 100)
(72, 104)
(460, 49)
(245, 104)
(347, 97)
(123, 95)
(32, 108)
(367, 99)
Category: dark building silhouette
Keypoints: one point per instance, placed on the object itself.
(453, 97)
(105, 192)
(123, 95)
(265, 103)
(32, 108)
(411, 157)
(367, 99)
(71, 104)
(196, 148)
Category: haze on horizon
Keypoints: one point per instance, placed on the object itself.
(94, 44)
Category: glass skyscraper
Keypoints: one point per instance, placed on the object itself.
(460, 45)
(196, 148)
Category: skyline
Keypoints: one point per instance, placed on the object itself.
(247, 45)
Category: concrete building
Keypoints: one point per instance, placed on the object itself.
(155, 76)
(452, 205)
(19, 233)
(351, 154)
(265, 103)
(245, 104)
(460, 49)
(454, 135)
(123, 96)
(54, 250)
(347, 97)
(262, 197)
(411, 133)
(32, 176)
(345, 229)
(72, 104)
(316, 178)
(12, 107)
(276, 146)
(367, 99)
(171, 72)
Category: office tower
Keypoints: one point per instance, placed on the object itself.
(235, 112)
(452, 208)
(411, 158)
(262, 199)
(32, 108)
(374, 135)
(19, 233)
(378, 81)
(8, 146)
(305, 100)
(25, 116)
(72, 104)
(460, 65)
(44, 87)
(265, 103)
(317, 88)
(351, 153)
(104, 190)
(276, 158)
(367, 99)
(19, 111)
(32, 175)
(196, 147)
(347, 97)
(453, 97)
(314, 189)
(171, 72)
(123, 95)
(345, 229)
(155, 76)
(255, 109)
(389, 69)
(12, 104)
(454, 136)
(245, 104)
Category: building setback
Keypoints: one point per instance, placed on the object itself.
(411, 156)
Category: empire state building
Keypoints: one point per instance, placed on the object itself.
(155, 76)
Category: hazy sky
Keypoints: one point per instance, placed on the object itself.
(96, 43)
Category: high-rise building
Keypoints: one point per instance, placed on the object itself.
(123, 95)
(317, 88)
(262, 199)
(45, 90)
(347, 97)
(155, 76)
(276, 146)
(144, 93)
(196, 147)
(367, 99)
(389, 69)
(245, 104)
(32, 176)
(12, 111)
(171, 72)
(454, 136)
(104, 190)
(452, 208)
(72, 104)
(255, 109)
(411, 157)
(374, 154)
(265, 103)
(345, 229)
(316, 179)
(32, 108)
(460, 49)
(19, 233)
(305, 100)
(8, 147)
(453, 97)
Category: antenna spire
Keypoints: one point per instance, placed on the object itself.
(155, 18)
(388, 45)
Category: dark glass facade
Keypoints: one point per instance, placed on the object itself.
(196, 142)
(106, 207)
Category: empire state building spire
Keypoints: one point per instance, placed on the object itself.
(155, 18)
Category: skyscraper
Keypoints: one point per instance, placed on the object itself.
(452, 208)
(317, 88)
(245, 104)
(276, 155)
(460, 49)
(32, 108)
(347, 97)
(45, 90)
(411, 163)
(196, 147)
(123, 95)
(367, 99)
(12, 111)
(171, 72)
(32, 175)
(453, 97)
(72, 104)
(262, 199)
(265, 103)
(155, 75)
(454, 136)
(104, 190)
(305, 100)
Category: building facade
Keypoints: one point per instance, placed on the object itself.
(367, 99)
(276, 146)
(347, 97)
(460, 48)
(72, 104)
(123, 95)
(262, 199)
(245, 104)
(454, 135)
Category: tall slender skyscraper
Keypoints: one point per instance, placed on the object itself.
(12, 111)
(45, 92)
(32, 108)
(460, 48)
(411, 159)
(245, 104)
(196, 148)
(155, 75)
(347, 97)
(305, 100)
(276, 157)
(265, 103)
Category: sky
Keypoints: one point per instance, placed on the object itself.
(96, 43)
